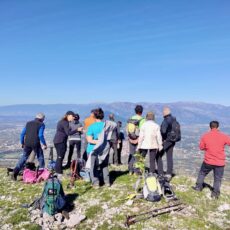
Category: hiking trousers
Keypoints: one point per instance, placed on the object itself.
(60, 149)
(114, 159)
(218, 175)
(72, 144)
(169, 158)
(131, 160)
(119, 149)
(152, 158)
(96, 170)
(26, 153)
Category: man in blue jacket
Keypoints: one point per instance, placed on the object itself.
(32, 136)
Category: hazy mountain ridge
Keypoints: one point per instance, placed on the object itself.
(186, 112)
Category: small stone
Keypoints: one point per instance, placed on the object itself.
(224, 207)
(74, 220)
(105, 206)
(129, 203)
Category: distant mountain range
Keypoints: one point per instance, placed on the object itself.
(186, 112)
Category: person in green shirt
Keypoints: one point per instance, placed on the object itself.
(133, 138)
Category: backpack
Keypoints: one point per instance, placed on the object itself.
(152, 188)
(75, 167)
(133, 128)
(175, 134)
(30, 176)
(53, 197)
(167, 190)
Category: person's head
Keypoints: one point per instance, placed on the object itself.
(119, 123)
(214, 125)
(40, 116)
(76, 117)
(92, 113)
(111, 117)
(150, 116)
(69, 116)
(166, 111)
(139, 109)
(98, 114)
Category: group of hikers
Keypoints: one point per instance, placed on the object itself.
(103, 136)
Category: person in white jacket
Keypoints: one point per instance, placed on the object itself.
(150, 140)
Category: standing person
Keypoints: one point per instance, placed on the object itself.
(121, 138)
(168, 145)
(133, 127)
(32, 136)
(150, 140)
(60, 138)
(74, 140)
(213, 143)
(92, 137)
(114, 140)
(87, 122)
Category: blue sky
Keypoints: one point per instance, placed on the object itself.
(104, 51)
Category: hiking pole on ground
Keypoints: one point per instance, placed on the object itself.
(156, 212)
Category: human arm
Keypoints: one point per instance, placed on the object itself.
(90, 135)
(141, 138)
(202, 144)
(41, 135)
(22, 136)
(159, 139)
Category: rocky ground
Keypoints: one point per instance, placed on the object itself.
(107, 207)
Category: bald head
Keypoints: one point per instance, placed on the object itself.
(166, 111)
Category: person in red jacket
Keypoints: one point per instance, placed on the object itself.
(213, 143)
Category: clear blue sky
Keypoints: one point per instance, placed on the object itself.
(54, 51)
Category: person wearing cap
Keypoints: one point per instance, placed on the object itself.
(150, 140)
(32, 136)
(61, 136)
(74, 140)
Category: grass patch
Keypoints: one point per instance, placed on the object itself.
(93, 211)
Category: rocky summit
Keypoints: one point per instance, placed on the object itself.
(108, 207)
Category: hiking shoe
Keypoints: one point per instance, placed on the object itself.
(214, 195)
(197, 188)
(65, 214)
(14, 176)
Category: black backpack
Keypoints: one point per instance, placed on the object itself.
(175, 134)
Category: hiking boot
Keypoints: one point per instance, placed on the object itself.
(65, 214)
(14, 176)
(215, 195)
(197, 188)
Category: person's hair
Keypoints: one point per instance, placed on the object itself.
(150, 116)
(76, 117)
(111, 117)
(98, 113)
(166, 111)
(139, 109)
(214, 124)
(64, 117)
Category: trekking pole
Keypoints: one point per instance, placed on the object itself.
(155, 212)
(157, 209)
(52, 174)
(133, 219)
